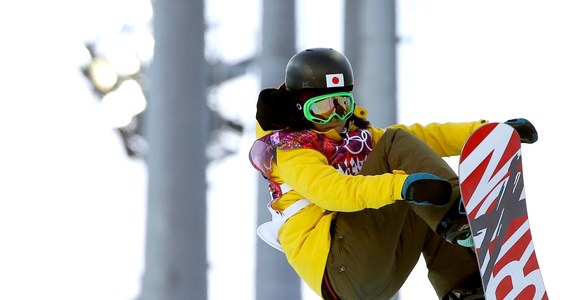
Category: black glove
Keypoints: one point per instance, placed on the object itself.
(426, 189)
(273, 107)
(525, 129)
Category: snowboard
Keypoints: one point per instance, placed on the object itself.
(493, 194)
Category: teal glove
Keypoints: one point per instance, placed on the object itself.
(426, 189)
(525, 129)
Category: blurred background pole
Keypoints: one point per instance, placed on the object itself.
(371, 44)
(176, 262)
(275, 279)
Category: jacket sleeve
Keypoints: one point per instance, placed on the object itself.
(446, 139)
(309, 174)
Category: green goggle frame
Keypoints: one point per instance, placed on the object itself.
(312, 111)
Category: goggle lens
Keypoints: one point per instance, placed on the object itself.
(322, 109)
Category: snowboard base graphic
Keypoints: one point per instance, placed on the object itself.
(492, 190)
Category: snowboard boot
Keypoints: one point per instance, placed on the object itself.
(454, 226)
(470, 289)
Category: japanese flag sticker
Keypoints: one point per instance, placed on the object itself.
(334, 80)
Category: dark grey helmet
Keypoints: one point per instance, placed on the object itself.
(318, 68)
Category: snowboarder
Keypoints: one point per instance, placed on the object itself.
(354, 206)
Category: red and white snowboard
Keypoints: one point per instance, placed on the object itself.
(492, 189)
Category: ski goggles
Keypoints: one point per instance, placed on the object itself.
(322, 109)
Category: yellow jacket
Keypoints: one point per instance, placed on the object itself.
(305, 237)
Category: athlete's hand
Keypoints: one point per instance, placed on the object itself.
(426, 189)
(525, 129)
